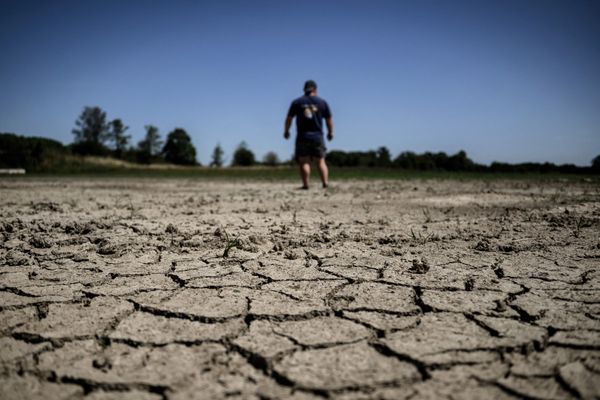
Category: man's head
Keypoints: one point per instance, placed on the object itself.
(310, 86)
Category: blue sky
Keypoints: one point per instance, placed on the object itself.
(504, 80)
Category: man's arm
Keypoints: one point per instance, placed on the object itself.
(286, 128)
(329, 123)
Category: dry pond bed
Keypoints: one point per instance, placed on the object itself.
(177, 289)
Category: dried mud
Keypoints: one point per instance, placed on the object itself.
(369, 290)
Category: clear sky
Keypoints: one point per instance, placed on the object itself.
(508, 80)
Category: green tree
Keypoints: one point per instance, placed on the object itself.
(117, 136)
(91, 132)
(243, 156)
(384, 159)
(271, 159)
(149, 147)
(179, 148)
(406, 160)
(460, 162)
(31, 153)
(596, 163)
(217, 156)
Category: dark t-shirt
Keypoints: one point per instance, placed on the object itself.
(309, 112)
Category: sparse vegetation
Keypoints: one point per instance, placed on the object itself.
(367, 207)
(230, 242)
(580, 223)
(133, 211)
(307, 266)
(422, 237)
(427, 215)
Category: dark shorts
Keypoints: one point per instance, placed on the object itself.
(310, 148)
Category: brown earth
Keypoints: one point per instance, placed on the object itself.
(369, 290)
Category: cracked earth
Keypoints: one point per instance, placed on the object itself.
(119, 288)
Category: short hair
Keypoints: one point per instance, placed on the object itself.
(309, 86)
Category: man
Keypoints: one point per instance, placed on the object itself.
(309, 111)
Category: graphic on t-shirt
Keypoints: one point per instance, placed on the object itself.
(309, 109)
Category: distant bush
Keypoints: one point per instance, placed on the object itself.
(596, 164)
(538, 168)
(380, 158)
(271, 159)
(441, 161)
(31, 153)
(179, 148)
(243, 157)
(406, 160)
(435, 161)
(384, 158)
(352, 159)
(89, 148)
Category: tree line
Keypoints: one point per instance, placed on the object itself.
(95, 135)
(441, 161)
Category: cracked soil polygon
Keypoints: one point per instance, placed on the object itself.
(408, 289)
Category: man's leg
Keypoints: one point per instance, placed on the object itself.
(323, 171)
(304, 163)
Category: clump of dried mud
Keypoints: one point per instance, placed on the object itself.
(370, 290)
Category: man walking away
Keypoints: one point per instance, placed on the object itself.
(309, 111)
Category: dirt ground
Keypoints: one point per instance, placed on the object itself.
(122, 288)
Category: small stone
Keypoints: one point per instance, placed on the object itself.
(483, 245)
(102, 363)
(419, 267)
(40, 242)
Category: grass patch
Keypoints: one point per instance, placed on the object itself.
(97, 167)
(291, 173)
